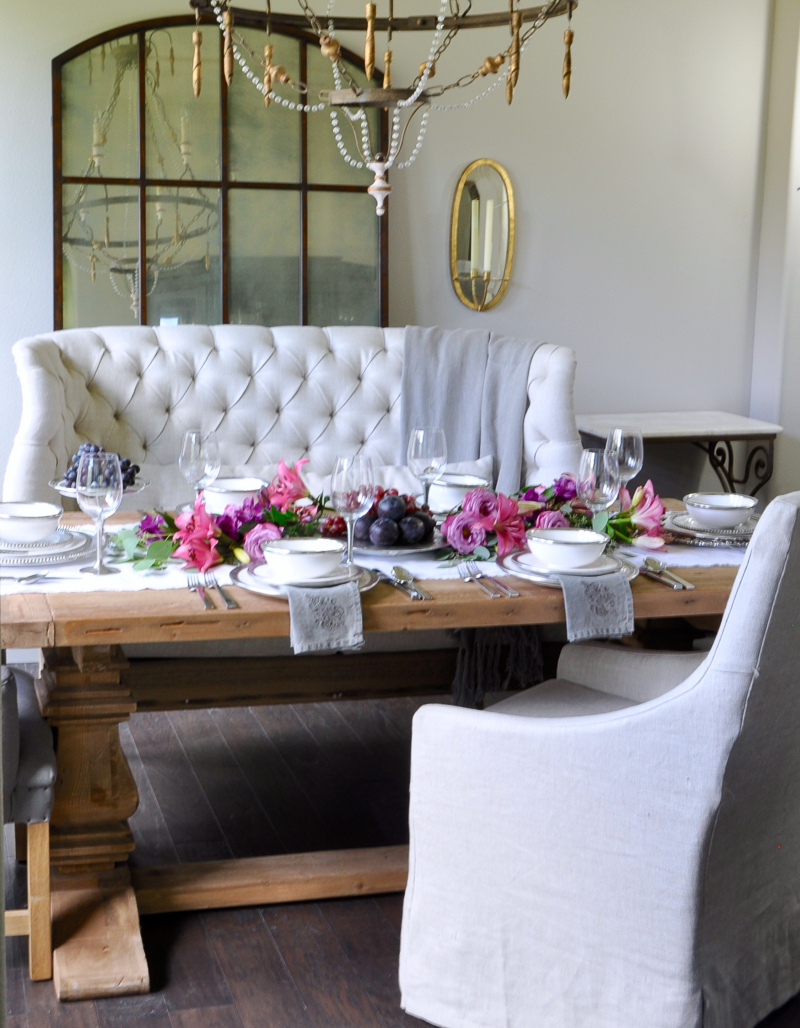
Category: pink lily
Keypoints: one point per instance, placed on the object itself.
(287, 485)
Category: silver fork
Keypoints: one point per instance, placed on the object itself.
(196, 587)
(475, 571)
(465, 574)
(212, 583)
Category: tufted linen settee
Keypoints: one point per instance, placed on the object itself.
(268, 394)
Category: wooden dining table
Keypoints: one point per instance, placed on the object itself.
(86, 688)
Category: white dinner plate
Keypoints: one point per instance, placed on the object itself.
(604, 565)
(263, 573)
(368, 550)
(239, 576)
(66, 547)
(548, 578)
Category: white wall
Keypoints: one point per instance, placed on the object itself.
(638, 199)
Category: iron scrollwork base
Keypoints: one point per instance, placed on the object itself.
(758, 464)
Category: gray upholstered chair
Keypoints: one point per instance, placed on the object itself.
(619, 847)
(29, 774)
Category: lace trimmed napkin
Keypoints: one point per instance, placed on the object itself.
(325, 619)
(597, 607)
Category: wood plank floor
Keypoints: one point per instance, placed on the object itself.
(242, 783)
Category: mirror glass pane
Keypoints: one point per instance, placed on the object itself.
(325, 163)
(100, 252)
(343, 259)
(181, 129)
(264, 274)
(184, 284)
(264, 142)
(482, 233)
(99, 111)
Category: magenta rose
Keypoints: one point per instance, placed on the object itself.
(551, 519)
(462, 532)
(480, 503)
(263, 533)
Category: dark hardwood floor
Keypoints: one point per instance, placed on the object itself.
(244, 782)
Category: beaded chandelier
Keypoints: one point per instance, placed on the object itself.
(403, 103)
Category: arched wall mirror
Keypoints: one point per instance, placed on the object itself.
(482, 235)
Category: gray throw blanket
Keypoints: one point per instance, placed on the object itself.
(474, 385)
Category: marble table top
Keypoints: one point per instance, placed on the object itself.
(689, 424)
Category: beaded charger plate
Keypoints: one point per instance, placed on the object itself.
(243, 577)
(682, 526)
(513, 566)
(61, 547)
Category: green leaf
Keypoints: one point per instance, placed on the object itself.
(144, 564)
(161, 549)
(600, 520)
(481, 553)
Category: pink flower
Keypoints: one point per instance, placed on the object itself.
(480, 503)
(199, 553)
(649, 542)
(507, 525)
(256, 536)
(624, 498)
(287, 486)
(462, 532)
(196, 522)
(647, 510)
(551, 519)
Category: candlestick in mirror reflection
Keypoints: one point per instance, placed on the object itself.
(487, 240)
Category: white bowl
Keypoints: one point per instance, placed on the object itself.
(720, 510)
(564, 548)
(300, 560)
(223, 491)
(28, 522)
(449, 490)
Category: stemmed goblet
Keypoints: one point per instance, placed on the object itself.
(98, 488)
(598, 480)
(199, 460)
(625, 447)
(352, 492)
(427, 455)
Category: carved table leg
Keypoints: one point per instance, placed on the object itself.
(759, 463)
(98, 947)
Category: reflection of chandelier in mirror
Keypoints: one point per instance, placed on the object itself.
(351, 99)
(97, 235)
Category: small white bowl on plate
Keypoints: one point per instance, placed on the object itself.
(720, 510)
(28, 522)
(301, 560)
(565, 548)
(223, 491)
(449, 490)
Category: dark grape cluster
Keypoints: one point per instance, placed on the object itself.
(395, 519)
(129, 470)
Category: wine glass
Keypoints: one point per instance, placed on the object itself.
(98, 488)
(598, 480)
(625, 447)
(199, 460)
(427, 455)
(352, 492)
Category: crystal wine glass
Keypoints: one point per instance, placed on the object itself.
(98, 488)
(352, 492)
(199, 460)
(625, 447)
(598, 480)
(427, 455)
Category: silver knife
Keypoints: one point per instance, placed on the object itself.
(397, 584)
(677, 578)
(404, 575)
(659, 578)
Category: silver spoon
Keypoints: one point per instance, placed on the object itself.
(404, 575)
(661, 568)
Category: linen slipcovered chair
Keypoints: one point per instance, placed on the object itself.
(619, 847)
(29, 774)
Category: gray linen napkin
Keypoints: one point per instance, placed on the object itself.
(598, 607)
(325, 619)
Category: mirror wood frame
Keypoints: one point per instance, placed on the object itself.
(455, 278)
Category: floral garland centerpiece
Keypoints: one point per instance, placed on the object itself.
(489, 525)
(283, 508)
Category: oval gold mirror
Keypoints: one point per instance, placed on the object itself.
(482, 235)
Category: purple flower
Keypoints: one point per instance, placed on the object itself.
(551, 519)
(152, 526)
(232, 518)
(263, 533)
(564, 489)
(462, 532)
(480, 503)
(535, 494)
